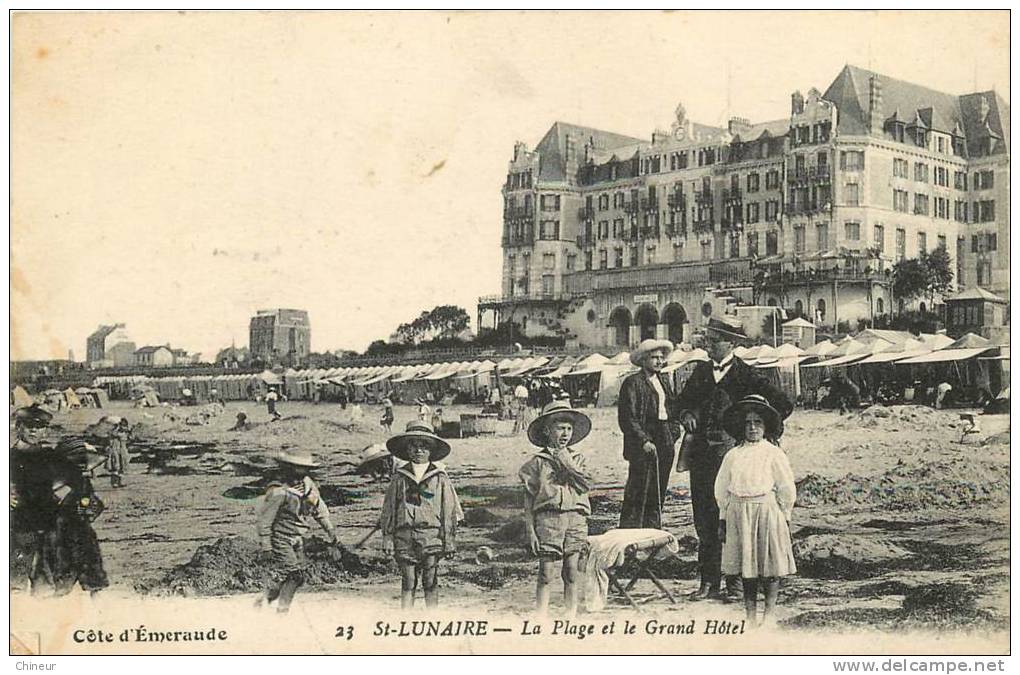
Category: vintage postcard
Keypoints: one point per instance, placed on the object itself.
(479, 332)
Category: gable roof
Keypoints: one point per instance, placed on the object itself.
(976, 293)
(148, 349)
(934, 109)
(552, 148)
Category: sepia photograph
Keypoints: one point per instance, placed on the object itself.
(511, 332)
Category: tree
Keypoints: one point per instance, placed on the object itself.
(910, 279)
(939, 273)
(446, 321)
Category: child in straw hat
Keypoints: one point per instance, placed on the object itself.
(756, 492)
(282, 524)
(557, 507)
(420, 512)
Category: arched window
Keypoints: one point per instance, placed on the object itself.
(820, 312)
(798, 308)
(880, 306)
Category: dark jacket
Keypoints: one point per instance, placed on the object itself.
(708, 400)
(638, 413)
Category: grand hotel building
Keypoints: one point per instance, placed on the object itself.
(608, 239)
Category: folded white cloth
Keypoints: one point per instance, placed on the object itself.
(609, 550)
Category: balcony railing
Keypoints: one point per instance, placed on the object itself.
(649, 203)
(495, 300)
(676, 201)
(585, 213)
(518, 213)
(580, 284)
(703, 197)
(732, 195)
(631, 206)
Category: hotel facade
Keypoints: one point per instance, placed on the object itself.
(609, 239)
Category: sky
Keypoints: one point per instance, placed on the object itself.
(179, 171)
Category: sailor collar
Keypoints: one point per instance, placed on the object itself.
(434, 469)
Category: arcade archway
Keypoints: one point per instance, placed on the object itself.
(619, 321)
(674, 316)
(646, 319)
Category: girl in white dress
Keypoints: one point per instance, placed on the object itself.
(756, 493)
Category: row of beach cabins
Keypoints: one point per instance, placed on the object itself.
(872, 359)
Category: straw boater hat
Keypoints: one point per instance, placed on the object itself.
(438, 448)
(299, 459)
(33, 416)
(733, 418)
(555, 412)
(648, 346)
(372, 453)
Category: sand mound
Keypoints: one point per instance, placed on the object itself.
(494, 576)
(949, 483)
(236, 565)
(900, 418)
(845, 556)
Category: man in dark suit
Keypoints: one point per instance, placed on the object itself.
(646, 411)
(712, 387)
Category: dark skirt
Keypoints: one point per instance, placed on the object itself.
(71, 554)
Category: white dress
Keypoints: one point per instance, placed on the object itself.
(755, 492)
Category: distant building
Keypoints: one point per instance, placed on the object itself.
(183, 358)
(109, 347)
(157, 356)
(233, 357)
(280, 336)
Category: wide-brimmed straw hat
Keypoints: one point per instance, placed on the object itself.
(554, 412)
(300, 459)
(648, 346)
(438, 448)
(733, 417)
(372, 453)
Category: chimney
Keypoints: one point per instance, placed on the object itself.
(875, 104)
(796, 103)
(738, 125)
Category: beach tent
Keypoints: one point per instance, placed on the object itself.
(564, 367)
(820, 348)
(680, 358)
(72, 398)
(20, 398)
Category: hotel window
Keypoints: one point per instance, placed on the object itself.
(753, 182)
(527, 203)
(650, 255)
(550, 202)
(549, 229)
(752, 245)
(984, 276)
(920, 204)
(901, 244)
(772, 180)
(879, 238)
(799, 243)
(852, 193)
(633, 256)
(771, 210)
(920, 172)
(851, 160)
(822, 160)
(587, 260)
(922, 243)
(799, 165)
(942, 208)
(753, 212)
(940, 143)
(549, 261)
(771, 243)
(984, 180)
(852, 230)
(900, 168)
(571, 262)
(618, 257)
(619, 199)
(942, 176)
(706, 250)
(984, 211)
(678, 252)
(960, 211)
(603, 202)
(899, 200)
(547, 284)
(603, 259)
(822, 236)
(618, 227)
(960, 180)
(941, 241)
